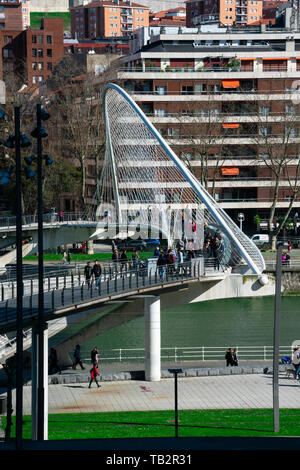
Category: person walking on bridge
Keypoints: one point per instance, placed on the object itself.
(88, 270)
(97, 271)
(77, 358)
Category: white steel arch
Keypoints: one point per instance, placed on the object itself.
(142, 172)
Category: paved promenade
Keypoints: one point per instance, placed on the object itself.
(212, 392)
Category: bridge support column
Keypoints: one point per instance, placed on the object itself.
(152, 339)
(34, 387)
(90, 247)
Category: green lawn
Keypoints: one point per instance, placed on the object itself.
(192, 423)
(35, 19)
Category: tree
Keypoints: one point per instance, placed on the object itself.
(279, 149)
(78, 121)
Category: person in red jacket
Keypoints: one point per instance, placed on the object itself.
(94, 373)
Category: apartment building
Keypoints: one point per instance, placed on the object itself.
(228, 105)
(108, 19)
(14, 14)
(229, 12)
(45, 49)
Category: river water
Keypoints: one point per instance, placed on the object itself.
(219, 323)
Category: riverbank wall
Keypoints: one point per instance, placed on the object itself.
(290, 278)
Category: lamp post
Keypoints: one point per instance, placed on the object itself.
(19, 371)
(277, 337)
(39, 133)
(176, 372)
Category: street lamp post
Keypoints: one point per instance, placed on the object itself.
(277, 337)
(176, 372)
(19, 368)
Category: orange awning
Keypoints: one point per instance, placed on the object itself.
(230, 171)
(230, 125)
(248, 59)
(275, 58)
(230, 83)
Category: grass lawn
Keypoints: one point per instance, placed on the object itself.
(85, 257)
(35, 19)
(192, 423)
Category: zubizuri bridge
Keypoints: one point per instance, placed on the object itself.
(145, 188)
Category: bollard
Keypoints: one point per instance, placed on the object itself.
(64, 281)
(150, 277)
(52, 299)
(144, 277)
(72, 293)
(123, 282)
(116, 285)
(48, 284)
(13, 290)
(107, 285)
(57, 282)
(155, 276)
(91, 290)
(99, 288)
(130, 280)
(6, 310)
(81, 291)
(63, 296)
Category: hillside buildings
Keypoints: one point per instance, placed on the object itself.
(108, 19)
(229, 12)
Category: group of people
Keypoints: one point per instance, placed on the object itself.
(231, 357)
(93, 273)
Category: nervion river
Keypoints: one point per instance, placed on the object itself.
(219, 323)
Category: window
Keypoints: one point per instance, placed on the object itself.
(33, 39)
(187, 89)
(264, 110)
(289, 109)
(200, 88)
(34, 54)
(173, 131)
(49, 52)
(160, 90)
(49, 65)
(40, 52)
(160, 112)
(40, 39)
(34, 65)
(264, 131)
(49, 39)
(40, 66)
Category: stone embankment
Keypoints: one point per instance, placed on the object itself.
(84, 377)
(290, 277)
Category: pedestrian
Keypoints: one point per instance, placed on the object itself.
(61, 216)
(216, 248)
(115, 259)
(69, 257)
(156, 252)
(229, 357)
(170, 262)
(95, 356)
(53, 363)
(235, 357)
(161, 265)
(94, 372)
(88, 270)
(64, 257)
(180, 244)
(123, 260)
(180, 262)
(97, 272)
(296, 360)
(290, 246)
(135, 260)
(77, 357)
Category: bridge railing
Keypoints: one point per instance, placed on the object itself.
(66, 276)
(80, 291)
(10, 221)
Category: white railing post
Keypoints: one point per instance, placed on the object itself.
(202, 353)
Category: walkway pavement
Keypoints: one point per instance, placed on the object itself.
(208, 392)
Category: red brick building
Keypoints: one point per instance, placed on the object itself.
(14, 14)
(36, 51)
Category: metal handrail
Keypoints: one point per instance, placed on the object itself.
(187, 354)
